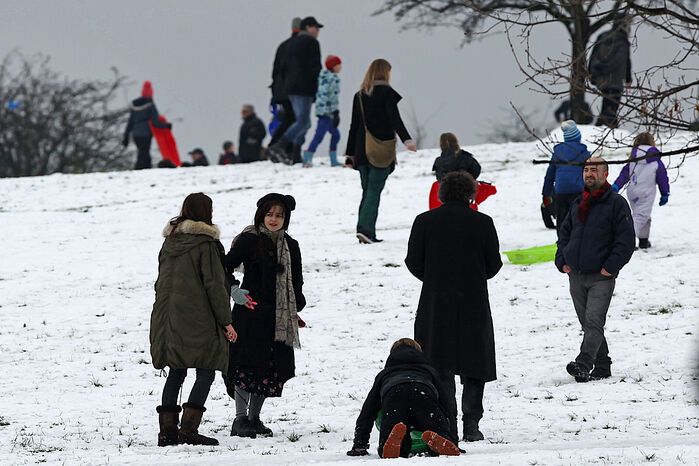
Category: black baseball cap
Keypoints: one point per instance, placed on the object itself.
(310, 21)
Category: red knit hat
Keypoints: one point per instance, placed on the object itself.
(147, 89)
(332, 61)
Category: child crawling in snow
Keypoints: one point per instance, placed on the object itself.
(642, 177)
(410, 394)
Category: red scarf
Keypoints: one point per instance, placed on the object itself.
(588, 197)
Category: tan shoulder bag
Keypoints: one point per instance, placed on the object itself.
(380, 154)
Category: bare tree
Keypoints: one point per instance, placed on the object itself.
(49, 123)
(512, 127)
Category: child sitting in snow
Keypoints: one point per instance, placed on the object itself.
(453, 158)
(642, 177)
(410, 394)
(327, 110)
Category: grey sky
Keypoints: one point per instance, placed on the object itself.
(207, 58)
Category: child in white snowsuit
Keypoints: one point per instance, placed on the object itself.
(327, 110)
(642, 177)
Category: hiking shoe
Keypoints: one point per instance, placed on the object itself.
(391, 449)
(439, 444)
(260, 429)
(599, 373)
(241, 428)
(579, 372)
(277, 154)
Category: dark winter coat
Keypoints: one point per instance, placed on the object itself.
(449, 162)
(302, 65)
(454, 250)
(192, 304)
(143, 111)
(382, 119)
(255, 328)
(605, 240)
(610, 60)
(404, 365)
(252, 133)
(278, 85)
(566, 179)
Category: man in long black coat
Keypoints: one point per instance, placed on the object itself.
(252, 133)
(610, 69)
(454, 250)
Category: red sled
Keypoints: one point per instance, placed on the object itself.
(483, 192)
(166, 142)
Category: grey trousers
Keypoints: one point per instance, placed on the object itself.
(592, 294)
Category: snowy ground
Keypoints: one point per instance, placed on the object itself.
(76, 289)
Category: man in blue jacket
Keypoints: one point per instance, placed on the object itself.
(563, 183)
(595, 241)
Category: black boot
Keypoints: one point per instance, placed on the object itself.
(577, 370)
(295, 155)
(643, 243)
(189, 430)
(242, 428)
(471, 431)
(600, 372)
(260, 429)
(277, 152)
(168, 417)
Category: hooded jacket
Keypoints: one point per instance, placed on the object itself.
(449, 162)
(404, 365)
(143, 112)
(192, 304)
(566, 179)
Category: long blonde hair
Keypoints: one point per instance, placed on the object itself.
(644, 139)
(379, 70)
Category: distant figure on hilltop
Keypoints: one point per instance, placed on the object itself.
(642, 177)
(610, 68)
(302, 67)
(563, 183)
(327, 111)
(252, 133)
(280, 97)
(143, 114)
(228, 157)
(199, 159)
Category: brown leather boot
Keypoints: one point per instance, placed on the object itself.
(168, 417)
(189, 430)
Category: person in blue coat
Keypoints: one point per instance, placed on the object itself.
(563, 183)
(143, 114)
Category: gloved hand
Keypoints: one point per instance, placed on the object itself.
(336, 118)
(664, 198)
(358, 451)
(241, 296)
(615, 188)
(169, 126)
(547, 201)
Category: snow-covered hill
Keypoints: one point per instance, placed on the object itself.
(79, 261)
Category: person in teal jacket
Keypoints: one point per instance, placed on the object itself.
(327, 111)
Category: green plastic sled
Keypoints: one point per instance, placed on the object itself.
(418, 445)
(533, 255)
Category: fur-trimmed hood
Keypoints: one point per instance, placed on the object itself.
(190, 227)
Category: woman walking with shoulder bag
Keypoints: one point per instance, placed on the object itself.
(371, 144)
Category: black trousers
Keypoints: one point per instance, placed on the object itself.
(471, 399)
(143, 146)
(288, 120)
(611, 98)
(200, 390)
(417, 407)
(563, 203)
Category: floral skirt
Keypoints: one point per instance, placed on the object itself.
(254, 380)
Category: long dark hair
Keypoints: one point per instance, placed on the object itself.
(197, 207)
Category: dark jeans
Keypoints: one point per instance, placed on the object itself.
(373, 181)
(563, 203)
(288, 120)
(416, 406)
(296, 133)
(143, 146)
(200, 390)
(471, 399)
(611, 98)
(592, 294)
(325, 125)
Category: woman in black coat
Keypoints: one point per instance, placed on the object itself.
(454, 250)
(262, 358)
(382, 119)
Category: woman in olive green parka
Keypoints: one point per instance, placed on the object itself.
(191, 318)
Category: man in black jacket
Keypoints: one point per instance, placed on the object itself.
(302, 67)
(411, 395)
(595, 241)
(610, 68)
(252, 133)
(278, 86)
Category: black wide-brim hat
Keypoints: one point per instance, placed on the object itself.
(286, 200)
